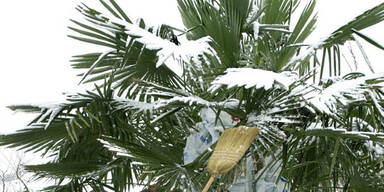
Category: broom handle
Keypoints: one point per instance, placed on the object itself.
(209, 183)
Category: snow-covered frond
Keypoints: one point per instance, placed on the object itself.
(115, 148)
(271, 116)
(318, 130)
(309, 51)
(48, 110)
(341, 35)
(52, 113)
(34, 107)
(152, 87)
(345, 92)
(197, 101)
(271, 131)
(128, 104)
(273, 124)
(360, 124)
(169, 53)
(256, 29)
(249, 78)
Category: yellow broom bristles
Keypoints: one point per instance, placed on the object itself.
(230, 148)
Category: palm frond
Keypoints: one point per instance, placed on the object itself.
(346, 91)
(128, 58)
(222, 22)
(64, 169)
(342, 133)
(158, 161)
(171, 54)
(339, 37)
(368, 39)
(37, 137)
(257, 78)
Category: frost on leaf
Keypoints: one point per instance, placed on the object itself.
(257, 78)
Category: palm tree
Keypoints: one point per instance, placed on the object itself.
(321, 127)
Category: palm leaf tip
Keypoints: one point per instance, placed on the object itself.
(368, 39)
(24, 108)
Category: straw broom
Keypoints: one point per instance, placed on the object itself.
(230, 148)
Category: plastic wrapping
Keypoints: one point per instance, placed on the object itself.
(267, 182)
(208, 133)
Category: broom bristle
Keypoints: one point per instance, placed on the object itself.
(230, 148)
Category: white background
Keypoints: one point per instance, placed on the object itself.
(35, 51)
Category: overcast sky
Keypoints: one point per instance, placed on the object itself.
(34, 49)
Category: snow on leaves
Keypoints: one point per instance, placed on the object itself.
(345, 92)
(306, 53)
(318, 130)
(48, 111)
(115, 148)
(128, 104)
(170, 54)
(257, 78)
